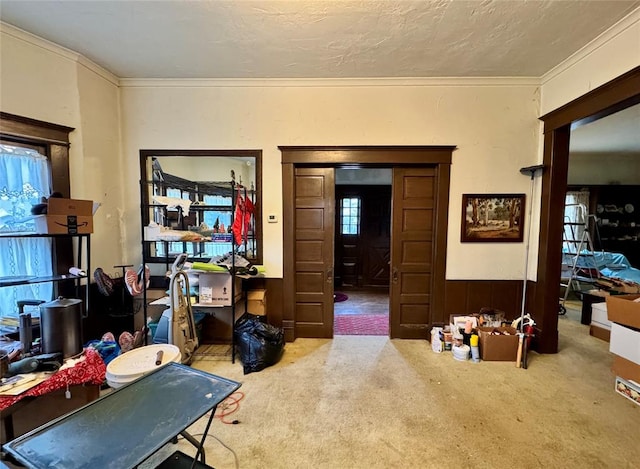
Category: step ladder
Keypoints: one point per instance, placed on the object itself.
(577, 253)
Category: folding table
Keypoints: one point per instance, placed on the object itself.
(125, 427)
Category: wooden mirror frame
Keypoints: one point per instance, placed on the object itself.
(255, 154)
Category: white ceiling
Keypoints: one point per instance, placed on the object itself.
(618, 133)
(333, 39)
(319, 38)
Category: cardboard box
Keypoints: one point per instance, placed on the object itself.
(502, 347)
(626, 369)
(628, 389)
(624, 310)
(625, 342)
(257, 302)
(66, 216)
(215, 288)
(600, 333)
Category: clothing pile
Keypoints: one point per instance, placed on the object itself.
(242, 218)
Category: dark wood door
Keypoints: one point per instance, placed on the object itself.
(314, 236)
(412, 251)
(362, 260)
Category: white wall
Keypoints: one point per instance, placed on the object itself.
(494, 125)
(492, 122)
(42, 81)
(612, 54)
(604, 168)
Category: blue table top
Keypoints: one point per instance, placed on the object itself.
(123, 428)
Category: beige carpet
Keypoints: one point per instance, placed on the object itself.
(371, 402)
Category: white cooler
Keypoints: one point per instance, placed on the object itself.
(135, 363)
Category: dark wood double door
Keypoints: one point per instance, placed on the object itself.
(418, 201)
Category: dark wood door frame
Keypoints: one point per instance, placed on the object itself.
(611, 97)
(364, 156)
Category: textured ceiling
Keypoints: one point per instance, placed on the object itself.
(319, 38)
(334, 39)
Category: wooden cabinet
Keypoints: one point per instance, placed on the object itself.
(617, 210)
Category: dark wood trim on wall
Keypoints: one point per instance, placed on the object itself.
(288, 272)
(274, 298)
(147, 154)
(620, 93)
(361, 156)
(32, 130)
(615, 95)
(54, 139)
(469, 296)
(371, 156)
(440, 239)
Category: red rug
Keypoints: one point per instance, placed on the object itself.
(361, 324)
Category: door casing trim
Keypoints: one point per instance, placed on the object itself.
(361, 156)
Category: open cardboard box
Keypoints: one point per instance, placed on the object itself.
(622, 309)
(498, 347)
(67, 216)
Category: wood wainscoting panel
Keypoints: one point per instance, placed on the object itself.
(468, 296)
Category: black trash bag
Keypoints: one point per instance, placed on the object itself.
(260, 344)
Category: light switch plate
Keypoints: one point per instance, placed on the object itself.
(272, 219)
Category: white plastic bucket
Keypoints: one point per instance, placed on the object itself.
(135, 363)
(461, 352)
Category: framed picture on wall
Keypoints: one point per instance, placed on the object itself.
(492, 218)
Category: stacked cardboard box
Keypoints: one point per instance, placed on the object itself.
(215, 288)
(600, 324)
(257, 302)
(624, 313)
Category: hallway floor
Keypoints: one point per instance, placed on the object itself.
(364, 312)
(363, 302)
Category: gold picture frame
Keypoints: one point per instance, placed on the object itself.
(492, 218)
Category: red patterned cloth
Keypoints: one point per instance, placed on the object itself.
(91, 370)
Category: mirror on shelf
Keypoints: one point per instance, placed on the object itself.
(192, 196)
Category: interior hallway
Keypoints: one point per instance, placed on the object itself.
(371, 402)
(364, 312)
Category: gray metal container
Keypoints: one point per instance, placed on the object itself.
(61, 326)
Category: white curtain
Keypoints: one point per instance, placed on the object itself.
(25, 178)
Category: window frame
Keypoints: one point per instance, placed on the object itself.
(357, 217)
(52, 140)
(148, 154)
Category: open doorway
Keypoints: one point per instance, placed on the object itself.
(362, 251)
(605, 100)
(603, 180)
(418, 243)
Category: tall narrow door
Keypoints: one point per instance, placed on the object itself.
(314, 244)
(412, 251)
